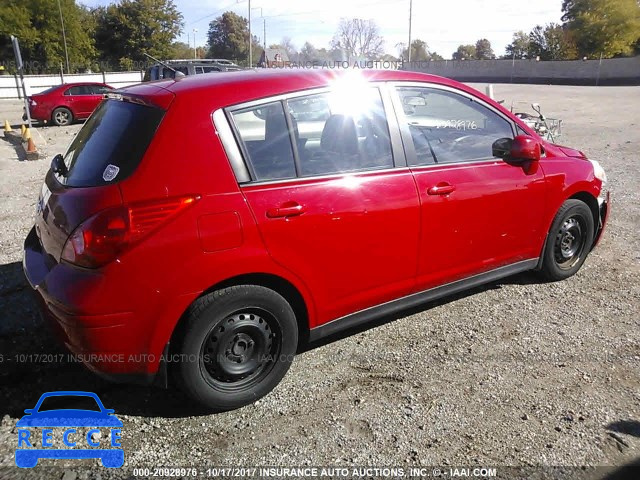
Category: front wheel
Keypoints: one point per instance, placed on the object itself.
(569, 240)
(235, 346)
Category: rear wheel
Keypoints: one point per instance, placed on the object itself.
(236, 345)
(62, 116)
(569, 240)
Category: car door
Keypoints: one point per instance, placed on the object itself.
(336, 212)
(478, 212)
(96, 96)
(79, 98)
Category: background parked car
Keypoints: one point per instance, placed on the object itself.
(189, 67)
(63, 104)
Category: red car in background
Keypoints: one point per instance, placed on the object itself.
(63, 104)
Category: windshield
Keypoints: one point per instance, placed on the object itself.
(111, 144)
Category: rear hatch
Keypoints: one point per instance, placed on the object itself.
(108, 149)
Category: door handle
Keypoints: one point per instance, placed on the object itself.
(289, 209)
(441, 189)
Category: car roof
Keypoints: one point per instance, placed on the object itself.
(79, 84)
(230, 88)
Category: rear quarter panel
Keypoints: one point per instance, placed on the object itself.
(177, 262)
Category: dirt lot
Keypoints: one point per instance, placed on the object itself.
(517, 373)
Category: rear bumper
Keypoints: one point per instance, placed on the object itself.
(604, 206)
(105, 343)
(37, 113)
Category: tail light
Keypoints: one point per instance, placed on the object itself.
(107, 234)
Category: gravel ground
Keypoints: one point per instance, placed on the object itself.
(516, 373)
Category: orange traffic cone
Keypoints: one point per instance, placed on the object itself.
(31, 147)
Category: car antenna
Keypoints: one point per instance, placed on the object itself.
(177, 72)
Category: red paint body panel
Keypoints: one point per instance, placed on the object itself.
(42, 105)
(493, 217)
(355, 245)
(358, 240)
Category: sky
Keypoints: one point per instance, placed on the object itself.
(443, 24)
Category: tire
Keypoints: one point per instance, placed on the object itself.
(62, 116)
(235, 346)
(569, 241)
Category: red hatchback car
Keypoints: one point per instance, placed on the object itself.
(63, 104)
(301, 203)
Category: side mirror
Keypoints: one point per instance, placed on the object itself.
(522, 148)
(501, 147)
(58, 166)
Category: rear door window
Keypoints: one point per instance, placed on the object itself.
(78, 90)
(111, 143)
(265, 138)
(171, 72)
(336, 134)
(207, 69)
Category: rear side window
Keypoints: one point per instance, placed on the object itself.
(207, 69)
(171, 72)
(152, 74)
(265, 137)
(111, 143)
(78, 90)
(336, 133)
(333, 133)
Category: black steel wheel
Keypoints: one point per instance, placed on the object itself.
(569, 240)
(241, 349)
(236, 345)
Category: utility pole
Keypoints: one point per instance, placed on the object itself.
(195, 49)
(410, 18)
(264, 27)
(250, 42)
(64, 37)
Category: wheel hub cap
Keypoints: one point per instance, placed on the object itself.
(238, 347)
(569, 241)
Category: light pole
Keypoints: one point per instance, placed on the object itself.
(194, 44)
(250, 42)
(264, 28)
(410, 18)
(64, 37)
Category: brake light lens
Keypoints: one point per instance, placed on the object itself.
(103, 237)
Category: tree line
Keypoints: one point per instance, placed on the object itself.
(590, 28)
(117, 36)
